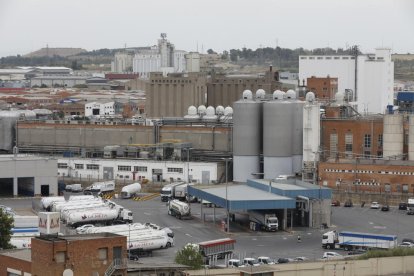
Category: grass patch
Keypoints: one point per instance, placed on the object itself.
(395, 252)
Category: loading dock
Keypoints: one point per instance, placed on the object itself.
(6, 187)
(296, 203)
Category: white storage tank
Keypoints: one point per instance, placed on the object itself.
(311, 128)
(210, 114)
(247, 137)
(192, 113)
(220, 110)
(393, 136)
(277, 136)
(201, 110)
(411, 137)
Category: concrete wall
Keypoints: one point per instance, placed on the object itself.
(372, 267)
(80, 135)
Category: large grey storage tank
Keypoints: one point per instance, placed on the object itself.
(277, 136)
(247, 137)
(8, 121)
(297, 128)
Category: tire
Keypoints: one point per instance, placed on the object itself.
(168, 245)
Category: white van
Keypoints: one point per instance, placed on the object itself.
(235, 263)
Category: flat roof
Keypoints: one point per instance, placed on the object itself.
(242, 197)
(23, 157)
(21, 254)
(79, 237)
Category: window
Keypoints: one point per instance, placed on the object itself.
(367, 141)
(380, 141)
(79, 166)
(333, 144)
(60, 256)
(348, 145)
(175, 170)
(140, 169)
(103, 254)
(62, 166)
(92, 167)
(405, 188)
(124, 168)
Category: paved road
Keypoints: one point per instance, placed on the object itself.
(275, 245)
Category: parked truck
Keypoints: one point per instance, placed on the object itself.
(355, 240)
(130, 190)
(265, 220)
(102, 215)
(98, 188)
(410, 206)
(179, 209)
(150, 242)
(167, 192)
(75, 188)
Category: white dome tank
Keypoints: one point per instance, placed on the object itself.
(192, 113)
(202, 110)
(210, 114)
(278, 95)
(260, 94)
(247, 95)
(339, 98)
(228, 111)
(220, 110)
(310, 96)
(291, 94)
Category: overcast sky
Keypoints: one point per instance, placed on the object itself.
(27, 25)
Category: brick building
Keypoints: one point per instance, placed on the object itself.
(91, 254)
(324, 88)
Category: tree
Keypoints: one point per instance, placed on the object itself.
(190, 256)
(210, 51)
(6, 224)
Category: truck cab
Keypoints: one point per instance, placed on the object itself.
(410, 206)
(329, 239)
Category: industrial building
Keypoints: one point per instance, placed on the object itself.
(367, 78)
(137, 170)
(25, 175)
(295, 203)
(57, 81)
(324, 88)
(122, 62)
(91, 254)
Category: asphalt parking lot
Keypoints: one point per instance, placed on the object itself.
(254, 244)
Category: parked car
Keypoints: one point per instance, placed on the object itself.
(330, 255)
(402, 206)
(284, 260)
(300, 259)
(265, 260)
(235, 263)
(407, 240)
(133, 257)
(348, 203)
(250, 262)
(385, 208)
(406, 244)
(335, 202)
(375, 205)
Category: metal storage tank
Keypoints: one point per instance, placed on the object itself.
(297, 128)
(411, 137)
(8, 121)
(220, 110)
(393, 136)
(201, 110)
(247, 137)
(210, 114)
(277, 136)
(192, 113)
(311, 128)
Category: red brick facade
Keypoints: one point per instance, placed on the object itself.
(324, 88)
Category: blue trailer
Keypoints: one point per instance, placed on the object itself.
(355, 240)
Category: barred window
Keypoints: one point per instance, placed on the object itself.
(92, 167)
(333, 144)
(140, 168)
(175, 170)
(367, 140)
(124, 168)
(348, 145)
(380, 141)
(79, 166)
(62, 165)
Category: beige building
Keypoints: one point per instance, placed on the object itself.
(172, 95)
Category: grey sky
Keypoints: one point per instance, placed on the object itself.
(27, 25)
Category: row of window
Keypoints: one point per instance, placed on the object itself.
(120, 168)
(335, 57)
(369, 172)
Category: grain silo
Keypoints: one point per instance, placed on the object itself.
(393, 136)
(247, 137)
(277, 136)
(411, 137)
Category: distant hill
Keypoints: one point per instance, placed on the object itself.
(50, 52)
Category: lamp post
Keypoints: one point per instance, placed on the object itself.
(227, 202)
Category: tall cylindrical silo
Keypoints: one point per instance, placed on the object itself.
(247, 137)
(393, 136)
(297, 128)
(277, 136)
(411, 137)
(311, 129)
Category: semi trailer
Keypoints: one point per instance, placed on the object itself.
(355, 240)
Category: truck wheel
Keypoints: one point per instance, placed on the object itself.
(179, 216)
(168, 245)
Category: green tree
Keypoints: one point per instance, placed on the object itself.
(190, 256)
(6, 224)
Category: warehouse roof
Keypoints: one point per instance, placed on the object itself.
(242, 197)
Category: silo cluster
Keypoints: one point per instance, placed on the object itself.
(209, 113)
(272, 127)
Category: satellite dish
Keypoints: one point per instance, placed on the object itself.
(68, 272)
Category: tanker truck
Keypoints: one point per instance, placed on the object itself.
(130, 190)
(149, 242)
(179, 209)
(102, 215)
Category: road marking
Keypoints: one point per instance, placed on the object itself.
(260, 245)
(309, 233)
(147, 214)
(380, 227)
(188, 235)
(370, 222)
(174, 227)
(254, 239)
